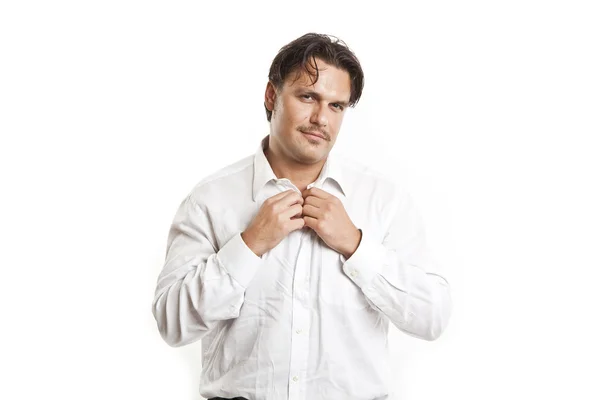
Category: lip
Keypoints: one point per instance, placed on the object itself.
(313, 135)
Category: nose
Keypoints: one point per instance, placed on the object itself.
(319, 115)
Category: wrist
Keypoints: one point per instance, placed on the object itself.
(251, 244)
(354, 245)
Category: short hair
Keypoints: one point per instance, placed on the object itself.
(303, 52)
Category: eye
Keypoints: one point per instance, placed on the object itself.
(338, 106)
(306, 96)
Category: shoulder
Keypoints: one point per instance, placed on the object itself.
(226, 182)
(367, 180)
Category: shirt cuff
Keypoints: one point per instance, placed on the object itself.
(238, 260)
(366, 262)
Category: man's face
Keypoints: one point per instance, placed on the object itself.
(300, 107)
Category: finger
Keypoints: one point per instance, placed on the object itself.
(284, 195)
(310, 222)
(315, 201)
(293, 211)
(281, 195)
(297, 223)
(290, 198)
(315, 191)
(311, 211)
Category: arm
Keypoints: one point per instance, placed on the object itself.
(198, 285)
(399, 278)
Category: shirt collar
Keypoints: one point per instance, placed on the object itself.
(263, 173)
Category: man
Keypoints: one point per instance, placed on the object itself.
(291, 263)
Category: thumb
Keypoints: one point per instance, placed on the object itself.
(310, 222)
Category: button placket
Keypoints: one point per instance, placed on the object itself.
(300, 315)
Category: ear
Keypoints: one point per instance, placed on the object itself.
(270, 96)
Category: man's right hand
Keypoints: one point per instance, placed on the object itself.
(277, 217)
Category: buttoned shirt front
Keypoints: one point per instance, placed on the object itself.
(301, 322)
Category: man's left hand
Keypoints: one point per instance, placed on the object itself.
(325, 214)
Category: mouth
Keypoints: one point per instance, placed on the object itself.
(314, 135)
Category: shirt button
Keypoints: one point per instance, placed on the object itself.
(298, 331)
(353, 273)
(295, 379)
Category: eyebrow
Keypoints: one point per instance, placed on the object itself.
(316, 96)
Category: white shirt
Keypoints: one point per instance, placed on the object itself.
(301, 322)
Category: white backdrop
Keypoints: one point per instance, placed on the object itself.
(110, 112)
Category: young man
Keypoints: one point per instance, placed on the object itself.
(291, 263)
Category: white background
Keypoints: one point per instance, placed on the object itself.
(110, 112)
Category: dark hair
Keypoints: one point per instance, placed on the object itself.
(303, 52)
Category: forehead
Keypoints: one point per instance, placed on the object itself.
(332, 81)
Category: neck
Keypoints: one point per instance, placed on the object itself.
(301, 175)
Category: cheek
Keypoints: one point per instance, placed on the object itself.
(335, 121)
(297, 113)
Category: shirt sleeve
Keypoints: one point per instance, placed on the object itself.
(199, 284)
(399, 277)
